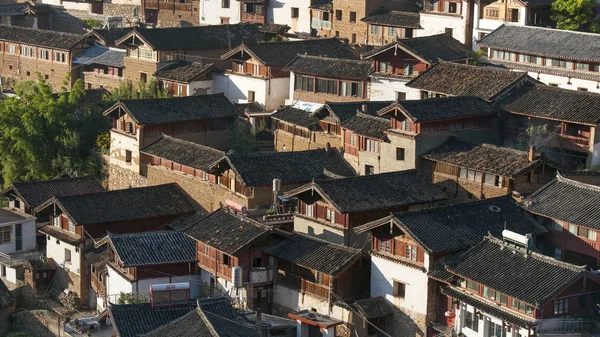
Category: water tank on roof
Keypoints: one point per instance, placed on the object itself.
(236, 206)
(236, 276)
(276, 185)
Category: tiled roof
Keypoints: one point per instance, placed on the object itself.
(13, 9)
(40, 37)
(257, 169)
(297, 117)
(439, 273)
(36, 193)
(184, 71)
(374, 192)
(323, 5)
(197, 37)
(533, 278)
(250, 108)
(183, 152)
(220, 305)
(125, 205)
(583, 74)
(456, 227)
(430, 49)
(368, 126)
(488, 307)
(274, 28)
(550, 42)
(435, 109)
(98, 54)
(227, 232)
(188, 325)
(331, 67)
(5, 296)
(153, 248)
(464, 80)
(548, 102)
(177, 109)
(109, 36)
(44, 264)
(98, 257)
(315, 254)
(394, 18)
(486, 158)
(185, 221)
(567, 200)
(60, 234)
(374, 307)
(342, 111)
(133, 320)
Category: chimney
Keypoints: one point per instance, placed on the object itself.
(531, 153)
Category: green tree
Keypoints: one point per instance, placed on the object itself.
(44, 135)
(129, 298)
(573, 14)
(240, 138)
(141, 90)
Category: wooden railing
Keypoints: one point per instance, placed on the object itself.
(565, 326)
(207, 263)
(570, 142)
(298, 283)
(172, 6)
(253, 17)
(97, 285)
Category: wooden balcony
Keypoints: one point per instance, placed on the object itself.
(98, 286)
(168, 5)
(151, 4)
(209, 264)
(572, 143)
(253, 18)
(298, 283)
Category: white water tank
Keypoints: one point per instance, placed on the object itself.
(236, 276)
(276, 185)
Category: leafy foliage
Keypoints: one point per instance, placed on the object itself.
(130, 298)
(44, 135)
(476, 57)
(92, 23)
(533, 134)
(574, 14)
(126, 91)
(240, 138)
(103, 142)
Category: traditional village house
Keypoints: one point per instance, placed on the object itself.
(399, 61)
(405, 246)
(138, 260)
(347, 15)
(451, 17)
(78, 221)
(253, 11)
(331, 209)
(404, 131)
(252, 182)
(294, 14)
(568, 209)
(133, 320)
(559, 58)
(225, 241)
(257, 70)
(467, 170)
(452, 79)
(171, 13)
(7, 307)
(108, 37)
(17, 236)
(101, 67)
(149, 49)
(27, 51)
(385, 27)
(486, 297)
(321, 18)
(325, 79)
(489, 15)
(314, 274)
(39, 273)
(562, 123)
(296, 129)
(201, 119)
(26, 14)
(183, 78)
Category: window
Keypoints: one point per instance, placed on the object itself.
(452, 7)
(573, 229)
(304, 83)
(206, 249)
(67, 255)
(27, 51)
(252, 8)
(226, 260)
(12, 49)
(489, 293)
(369, 170)
(351, 89)
(318, 278)
(330, 216)
(71, 226)
(391, 31)
(56, 221)
(583, 232)
(558, 254)
(146, 53)
(448, 31)
(372, 145)
(295, 12)
(44, 55)
(256, 69)
(338, 14)
(495, 330)
(493, 180)
(143, 77)
(224, 3)
(503, 299)
(557, 63)
(411, 252)
(353, 140)
(513, 15)
(582, 89)
(405, 125)
(385, 67)
(27, 73)
(374, 29)
(327, 86)
(409, 69)
(473, 286)
(127, 156)
(5, 234)
(582, 66)
(400, 153)
(561, 306)
(462, 173)
(386, 246)
(309, 210)
(251, 96)
(592, 235)
(553, 84)
(399, 289)
(3, 271)
(353, 38)
(400, 96)
(557, 226)
(408, 33)
(491, 13)
(256, 262)
(179, 90)
(352, 16)
(471, 321)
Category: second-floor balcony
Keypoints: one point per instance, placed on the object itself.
(298, 283)
(253, 17)
(168, 5)
(567, 326)
(567, 142)
(317, 23)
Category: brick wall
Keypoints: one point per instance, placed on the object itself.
(134, 67)
(322, 98)
(24, 68)
(100, 80)
(123, 10)
(179, 18)
(292, 142)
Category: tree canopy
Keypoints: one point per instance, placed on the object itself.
(574, 15)
(45, 135)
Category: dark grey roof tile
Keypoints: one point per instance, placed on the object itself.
(184, 71)
(153, 248)
(183, 152)
(40, 37)
(394, 18)
(133, 320)
(331, 67)
(98, 54)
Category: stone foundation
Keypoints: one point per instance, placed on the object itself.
(120, 178)
(125, 11)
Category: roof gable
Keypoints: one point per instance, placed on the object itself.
(374, 192)
(342, 111)
(429, 49)
(367, 126)
(108, 37)
(153, 248)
